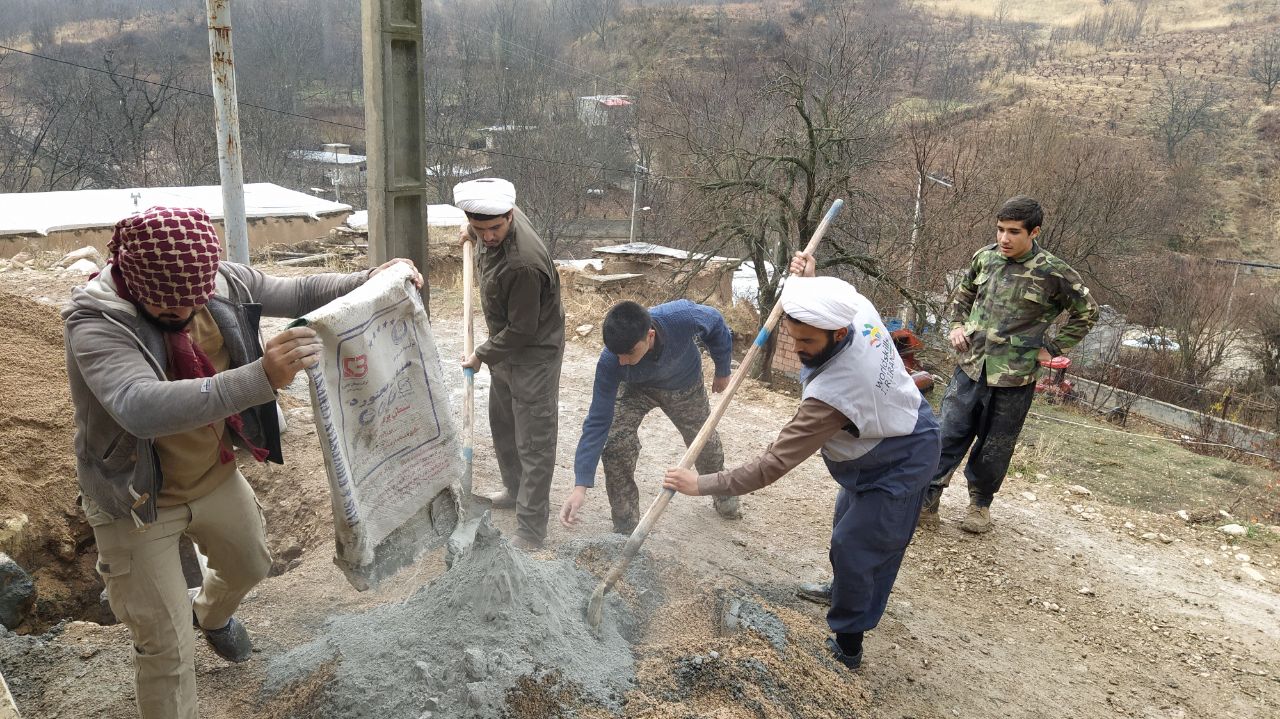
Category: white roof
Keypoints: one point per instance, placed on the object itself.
(445, 216)
(745, 284)
(358, 220)
(508, 128)
(611, 100)
(39, 213)
(331, 158)
(437, 216)
(648, 248)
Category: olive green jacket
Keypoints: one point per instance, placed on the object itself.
(1006, 307)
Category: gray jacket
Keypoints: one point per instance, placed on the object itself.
(116, 362)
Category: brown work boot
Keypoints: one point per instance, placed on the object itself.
(727, 507)
(520, 541)
(501, 500)
(978, 520)
(929, 512)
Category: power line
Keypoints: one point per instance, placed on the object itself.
(189, 91)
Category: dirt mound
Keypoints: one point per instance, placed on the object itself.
(37, 462)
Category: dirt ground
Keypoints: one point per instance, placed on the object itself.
(1074, 607)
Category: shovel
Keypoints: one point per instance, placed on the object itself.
(468, 346)
(595, 607)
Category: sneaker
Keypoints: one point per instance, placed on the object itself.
(520, 541)
(853, 661)
(230, 642)
(978, 520)
(501, 500)
(727, 507)
(819, 592)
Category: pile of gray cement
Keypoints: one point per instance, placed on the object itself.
(458, 645)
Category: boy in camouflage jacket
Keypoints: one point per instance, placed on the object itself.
(1002, 310)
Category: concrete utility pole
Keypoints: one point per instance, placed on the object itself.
(227, 109)
(394, 131)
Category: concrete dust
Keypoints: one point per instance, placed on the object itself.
(458, 647)
(742, 614)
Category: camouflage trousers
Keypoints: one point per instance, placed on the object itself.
(687, 409)
(988, 418)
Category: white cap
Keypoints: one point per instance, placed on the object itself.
(487, 196)
(828, 303)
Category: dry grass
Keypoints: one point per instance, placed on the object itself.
(1127, 468)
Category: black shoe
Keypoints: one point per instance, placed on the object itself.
(819, 592)
(853, 661)
(230, 642)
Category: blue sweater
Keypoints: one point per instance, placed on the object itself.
(675, 362)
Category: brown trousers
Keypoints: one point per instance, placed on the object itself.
(148, 593)
(524, 410)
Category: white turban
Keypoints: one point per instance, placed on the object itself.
(487, 196)
(827, 303)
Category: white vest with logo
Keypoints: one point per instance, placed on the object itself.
(867, 383)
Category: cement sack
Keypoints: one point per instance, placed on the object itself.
(382, 413)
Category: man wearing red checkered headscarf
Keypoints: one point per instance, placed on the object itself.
(167, 375)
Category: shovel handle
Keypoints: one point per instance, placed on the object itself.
(468, 346)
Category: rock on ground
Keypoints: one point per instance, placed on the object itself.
(17, 593)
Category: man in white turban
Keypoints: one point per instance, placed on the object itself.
(520, 296)
(876, 432)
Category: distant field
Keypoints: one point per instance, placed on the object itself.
(1171, 14)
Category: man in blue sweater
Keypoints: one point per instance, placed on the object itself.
(651, 359)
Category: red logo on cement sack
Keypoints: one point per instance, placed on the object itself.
(355, 367)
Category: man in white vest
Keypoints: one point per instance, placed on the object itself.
(876, 432)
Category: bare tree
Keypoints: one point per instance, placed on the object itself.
(1264, 66)
(1001, 11)
(594, 16)
(764, 160)
(1097, 195)
(546, 166)
(1264, 345)
(1185, 296)
(278, 52)
(1185, 107)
